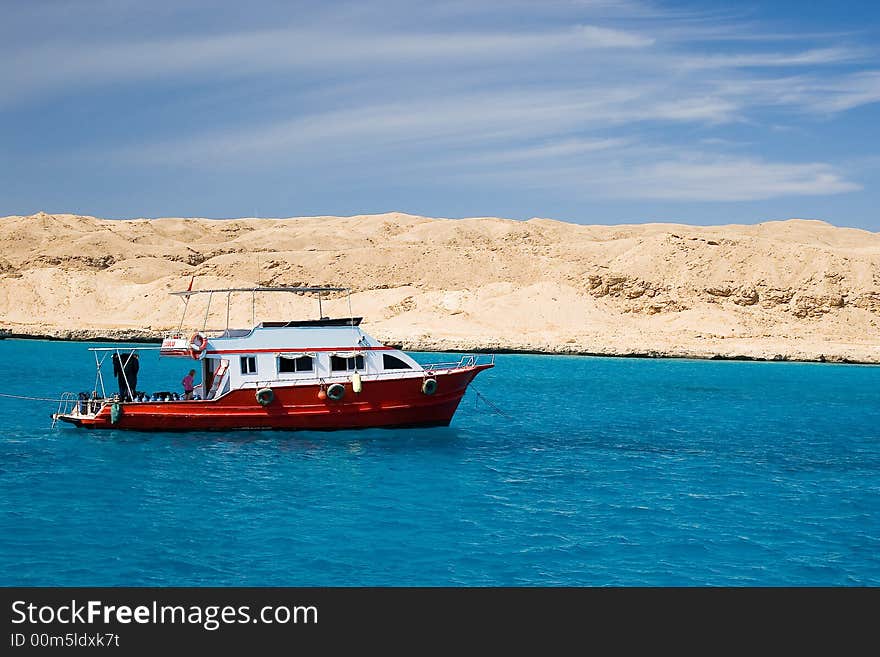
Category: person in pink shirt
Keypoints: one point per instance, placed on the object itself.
(188, 385)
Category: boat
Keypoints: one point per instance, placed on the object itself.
(319, 373)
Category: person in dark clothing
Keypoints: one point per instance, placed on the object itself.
(125, 369)
(131, 367)
(117, 374)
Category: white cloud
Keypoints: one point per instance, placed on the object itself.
(603, 37)
(551, 150)
(740, 179)
(844, 93)
(46, 68)
(464, 120)
(569, 95)
(629, 170)
(815, 57)
(805, 94)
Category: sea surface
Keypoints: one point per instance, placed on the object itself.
(586, 471)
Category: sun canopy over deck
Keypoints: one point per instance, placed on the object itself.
(297, 290)
(320, 291)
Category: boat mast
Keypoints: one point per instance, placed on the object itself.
(228, 295)
(185, 303)
(183, 314)
(207, 310)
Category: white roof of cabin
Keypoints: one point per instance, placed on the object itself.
(296, 338)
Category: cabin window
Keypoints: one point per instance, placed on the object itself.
(301, 364)
(390, 362)
(248, 364)
(339, 364)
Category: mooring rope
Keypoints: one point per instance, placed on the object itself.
(45, 399)
(489, 403)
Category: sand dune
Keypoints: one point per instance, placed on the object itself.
(793, 290)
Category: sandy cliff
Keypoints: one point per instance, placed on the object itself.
(801, 290)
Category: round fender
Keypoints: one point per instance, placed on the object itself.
(336, 392)
(429, 387)
(265, 396)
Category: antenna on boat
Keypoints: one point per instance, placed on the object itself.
(207, 310)
(186, 302)
(228, 297)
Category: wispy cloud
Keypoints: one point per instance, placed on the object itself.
(246, 53)
(474, 120)
(805, 94)
(657, 172)
(552, 150)
(813, 57)
(625, 99)
(725, 179)
(603, 37)
(844, 93)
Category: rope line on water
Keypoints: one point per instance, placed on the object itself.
(489, 403)
(47, 399)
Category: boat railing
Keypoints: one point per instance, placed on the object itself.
(71, 403)
(468, 360)
(66, 404)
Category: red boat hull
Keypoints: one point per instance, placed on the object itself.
(381, 403)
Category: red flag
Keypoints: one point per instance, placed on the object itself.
(189, 289)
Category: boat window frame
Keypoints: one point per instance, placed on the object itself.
(351, 364)
(402, 366)
(296, 364)
(245, 371)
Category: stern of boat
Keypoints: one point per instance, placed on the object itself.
(78, 411)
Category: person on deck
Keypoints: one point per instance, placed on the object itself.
(131, 367)
(125, 369)
(117, 374)
(188, 385)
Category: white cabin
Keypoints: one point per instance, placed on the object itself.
(278, 354)
(323, 350)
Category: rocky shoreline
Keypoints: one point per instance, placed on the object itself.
(458, 346)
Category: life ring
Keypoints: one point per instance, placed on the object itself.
(336, 392)
(265, 396)
(429, 387)
(197, 344)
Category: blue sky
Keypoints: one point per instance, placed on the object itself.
(593, 111)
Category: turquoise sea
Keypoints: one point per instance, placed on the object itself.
(599, 472)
